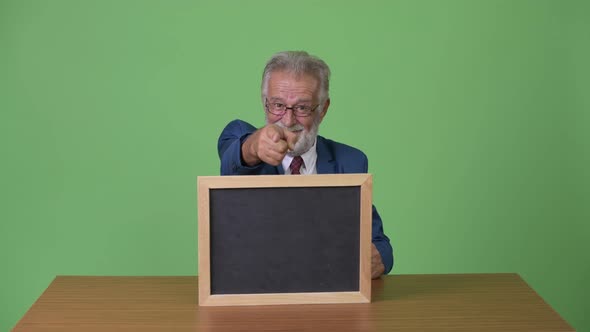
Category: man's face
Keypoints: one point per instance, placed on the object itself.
(289, 89)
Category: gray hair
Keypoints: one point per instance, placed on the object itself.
(298, 62)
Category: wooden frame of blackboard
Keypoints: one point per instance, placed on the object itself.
(207, 183)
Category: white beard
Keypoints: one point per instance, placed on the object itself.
(305, 139)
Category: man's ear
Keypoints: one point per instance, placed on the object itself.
(325, 109)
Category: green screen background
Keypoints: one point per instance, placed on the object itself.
(474, 116)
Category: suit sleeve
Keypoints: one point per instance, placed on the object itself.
(379, 239)
(229, 147)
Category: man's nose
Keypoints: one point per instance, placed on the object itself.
(289, 118)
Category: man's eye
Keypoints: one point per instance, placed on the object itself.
(278, 105)
(301, 108)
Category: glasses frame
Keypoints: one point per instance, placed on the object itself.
(295, 113)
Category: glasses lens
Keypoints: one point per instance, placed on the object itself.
(275, 108)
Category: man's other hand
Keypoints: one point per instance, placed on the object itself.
(268, 144)
(377, 267)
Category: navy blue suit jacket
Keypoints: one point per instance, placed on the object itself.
(333, 157)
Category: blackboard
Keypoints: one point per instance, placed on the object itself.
(284, 239)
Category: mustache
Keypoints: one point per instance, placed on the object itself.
(296, 127)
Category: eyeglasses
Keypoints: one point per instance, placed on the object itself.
(280, 109)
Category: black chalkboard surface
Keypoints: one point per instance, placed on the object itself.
(284, 239)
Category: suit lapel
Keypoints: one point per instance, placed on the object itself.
(325, 163)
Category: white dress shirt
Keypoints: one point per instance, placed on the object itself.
(309, 161)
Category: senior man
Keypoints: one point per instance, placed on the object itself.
(295, 96)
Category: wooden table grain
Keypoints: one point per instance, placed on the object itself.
(444, 302)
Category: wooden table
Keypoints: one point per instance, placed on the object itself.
(459, 302)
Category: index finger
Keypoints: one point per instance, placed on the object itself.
(291, 138)
(275, 133)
